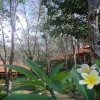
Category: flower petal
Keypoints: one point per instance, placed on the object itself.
(82, 82)
(98, 81)
(90, 86)
(79, 70)
(85, 75)
(94, 72)
(93, 66)
(85, 67)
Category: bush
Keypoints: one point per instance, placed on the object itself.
(3, 95)
(2, 87)
(2, 81)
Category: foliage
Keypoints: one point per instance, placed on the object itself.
(22, 1)
(55, 63)
(98, 64)
(42, 63)
(2, 87)
(2, 81)
(66, 17)
(69, 6)
(89, 76)
(28, 97)
(3, 95)
(69, 85)
(37, 77)
(87, 94)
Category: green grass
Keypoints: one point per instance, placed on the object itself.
(4, 94)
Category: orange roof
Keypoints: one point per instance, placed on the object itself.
(2, 69)
(58, 57)
(82, 50)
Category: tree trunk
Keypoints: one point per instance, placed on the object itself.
(47, 55)
(78, 53)
(13, 5)
(74, 49)
(30, 56)
(37, 27)
(66, 52)
(93, 19)
(5, 53)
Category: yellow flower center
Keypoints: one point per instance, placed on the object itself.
(91, 79)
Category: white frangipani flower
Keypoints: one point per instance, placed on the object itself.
(85, 68)
(90, 79)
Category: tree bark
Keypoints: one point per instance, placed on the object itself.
(30, 56)
(5, 53)
(13, 6)
(73, 40)
(47, 55)
(93, 19)
(37, 27)
(66, 52)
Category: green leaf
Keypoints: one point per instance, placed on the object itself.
(37, 69)
(22, 87)
(98, 64)
(61, 76)
(86, 93)
(55, 70)
(28, 82)
(22, 1)
(3, 95)
(31, 64)
(39, 91)
(1, 4)
(56, 86)
(27, 97)
(21, 70)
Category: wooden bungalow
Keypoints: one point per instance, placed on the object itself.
(83, 55)
(14, 73)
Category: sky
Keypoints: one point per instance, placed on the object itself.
(32, 7)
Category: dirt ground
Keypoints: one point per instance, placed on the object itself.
(64, 97)
(60, 96)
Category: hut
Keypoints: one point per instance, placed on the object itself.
(14, 73)
(83, 55)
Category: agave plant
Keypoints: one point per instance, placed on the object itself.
(37, 78)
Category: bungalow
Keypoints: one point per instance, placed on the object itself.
(14, 73)
(83, 55)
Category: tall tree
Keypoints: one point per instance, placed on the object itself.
(67, 17)
(30, 33)
(94, 26)
(13, 6)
